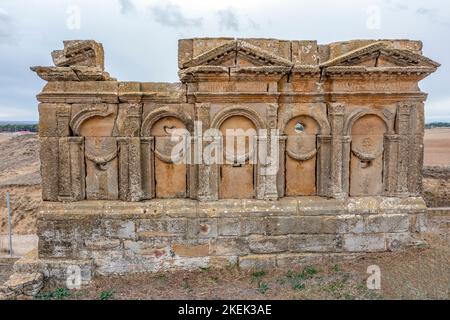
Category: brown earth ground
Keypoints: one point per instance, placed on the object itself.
(437, 147)
(420, 272)
(19, 174)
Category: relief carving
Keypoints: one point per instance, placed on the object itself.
(101, 168)
(366, 161)
(342, 133)
(82, 113)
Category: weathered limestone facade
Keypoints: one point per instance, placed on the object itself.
(350, 115)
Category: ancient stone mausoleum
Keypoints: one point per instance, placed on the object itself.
(350, 117)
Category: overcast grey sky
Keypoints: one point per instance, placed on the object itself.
(140, 36)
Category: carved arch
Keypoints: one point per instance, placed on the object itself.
(324, 125)
(101, 110)
(151, 153)
(160, 113)
(259, 123)
(231, 111)
(361, 112)
(367, 158)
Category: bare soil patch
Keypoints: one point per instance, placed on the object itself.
(19, 174)
(437, 147)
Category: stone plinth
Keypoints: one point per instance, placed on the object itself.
(166, 234)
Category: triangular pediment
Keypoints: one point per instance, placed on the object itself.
(237, 53)
(379, 54)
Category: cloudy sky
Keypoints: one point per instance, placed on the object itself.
(140, 36)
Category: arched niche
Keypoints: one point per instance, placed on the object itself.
(237, 175)
(98, 126)
(367, 155)
(95, 124)
(225, 177)
(301, 156)
(96, 120)
(169, 177)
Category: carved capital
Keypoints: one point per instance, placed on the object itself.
(336, 109)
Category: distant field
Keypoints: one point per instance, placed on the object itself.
(437, 147)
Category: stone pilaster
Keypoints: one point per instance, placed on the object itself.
(130, 178)
(208, 175)
(346, 146)
(270, 170)
(147, 165)
(49, 156)
(336, 114)
(128, 122)
(390, 172)
(281, 176)
(72, 171)
(324, 165)
(192, 170)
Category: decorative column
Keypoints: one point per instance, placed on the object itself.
(336, 114)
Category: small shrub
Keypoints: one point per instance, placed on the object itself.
(186, 286)
(205, 269)
(256, 275)
(162, 277)
(336, 268)
(298, 286)
(106, 295)
(57, 294)
(310, 271)
(262, 287)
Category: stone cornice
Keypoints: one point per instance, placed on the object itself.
(77, 97)
(374, 71)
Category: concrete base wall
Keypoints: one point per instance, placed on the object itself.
(120, 237)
